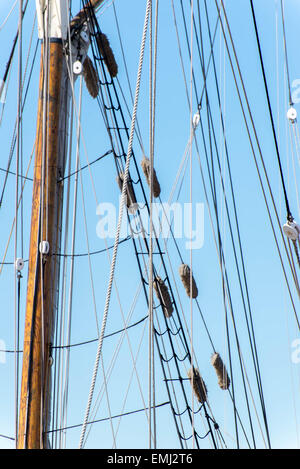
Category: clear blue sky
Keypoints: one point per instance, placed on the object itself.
(273, 317)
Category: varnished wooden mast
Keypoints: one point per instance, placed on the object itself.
(46, 216)
(43, 270)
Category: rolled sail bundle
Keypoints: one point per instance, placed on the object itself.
(223, 378)
(162, 293)
(90, 77)
(198, 384)
(107, 54)
(84, 15)
(130, 196)
(145, 163)
(188, 282)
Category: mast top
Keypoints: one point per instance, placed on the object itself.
(53, 18)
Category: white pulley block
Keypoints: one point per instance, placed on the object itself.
(50, 361)
(77, 67)
(196, 119)
(44, 247)
(292, 114)
(291, 230)
(19, 264)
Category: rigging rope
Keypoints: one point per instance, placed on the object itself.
(213, 191)
(116, 126)
(104, 419)
(261, 157)
(108, 152)
(18, 156)
(152, 102)
(253, 346)
(7, 17)
(286, 54)
(14, 138)
(99, 351)
(289, 215)
(118, 131)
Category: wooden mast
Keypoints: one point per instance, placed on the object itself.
(43, 269)
(46, 216)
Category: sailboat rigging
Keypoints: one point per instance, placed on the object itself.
(173, 333)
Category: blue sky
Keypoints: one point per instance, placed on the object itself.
(274, 322)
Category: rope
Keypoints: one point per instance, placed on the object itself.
(286, 55)
(99, 420)
(14, 174)
(14, 138)
(294, 166)
(127, 77)
(2, 263)
(253, 347)
(150, 351)
(44, 219)
(289, 215)
(134, 359)
(95, 340)
(118, 108)
(152, 93)
(134, 370)
(195, 91)
(193, 381)
(296, 252)
(88, 249)
(106, 84)
(108, 152)
(114, 256)
(16, 351)
(12, 51)
(208, 202)
(8, 15)
(18, 152)
(226, 292)
(117, 128)
(261, 157)
(13, 142)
